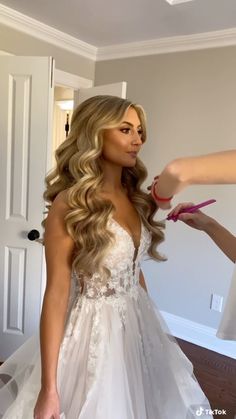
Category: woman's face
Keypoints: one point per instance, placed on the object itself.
(121, 141)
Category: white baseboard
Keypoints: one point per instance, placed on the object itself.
(199, 335)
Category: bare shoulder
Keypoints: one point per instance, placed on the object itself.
(55, 224)
(61, 199)
(59, 245)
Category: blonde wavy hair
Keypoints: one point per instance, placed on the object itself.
(79, 171)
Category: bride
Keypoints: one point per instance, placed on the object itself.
(105, 350)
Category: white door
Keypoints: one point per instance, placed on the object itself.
(114, 89)
(26, 86)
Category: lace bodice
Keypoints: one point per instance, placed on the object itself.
(123, 260)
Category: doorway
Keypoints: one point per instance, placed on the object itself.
(62, 113)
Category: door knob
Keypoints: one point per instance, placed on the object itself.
(34, 235)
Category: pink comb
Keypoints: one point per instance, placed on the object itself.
(192, 209)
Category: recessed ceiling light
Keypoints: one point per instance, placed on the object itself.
(172, 2)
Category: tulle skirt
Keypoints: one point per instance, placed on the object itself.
(117, 360)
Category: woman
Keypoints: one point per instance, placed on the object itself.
(105, 352)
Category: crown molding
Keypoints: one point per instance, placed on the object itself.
(204, 40)
(33, 27)
(39, 30)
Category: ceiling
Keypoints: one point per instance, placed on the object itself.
(109, 22)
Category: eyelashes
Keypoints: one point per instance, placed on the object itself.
(127, 131)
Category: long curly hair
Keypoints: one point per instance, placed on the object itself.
(79, 171)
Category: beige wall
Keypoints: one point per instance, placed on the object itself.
(18, 43)
(190, 100)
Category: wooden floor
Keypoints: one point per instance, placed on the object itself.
(216, 375)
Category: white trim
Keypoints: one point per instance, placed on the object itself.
(62, 40)
(39, 30)
(199, 335)
(4, 52)
(65, 79)
(205, 40)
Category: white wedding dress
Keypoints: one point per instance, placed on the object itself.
(117, 359)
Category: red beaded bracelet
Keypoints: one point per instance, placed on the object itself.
(156, 197)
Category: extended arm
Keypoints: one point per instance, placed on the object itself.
(216, 168)
(222, 237)
(58, 251)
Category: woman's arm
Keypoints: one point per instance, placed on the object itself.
(58, 251)
(219, 234)
(142, 281)
(223, 238)
(216, 168)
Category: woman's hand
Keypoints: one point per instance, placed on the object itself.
(197, 220)
(161, 204)
(47, 405)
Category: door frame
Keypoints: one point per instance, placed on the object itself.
(65, 79)
(70, 80)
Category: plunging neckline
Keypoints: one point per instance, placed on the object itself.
(126, 231)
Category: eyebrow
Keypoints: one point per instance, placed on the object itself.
(131, 125)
